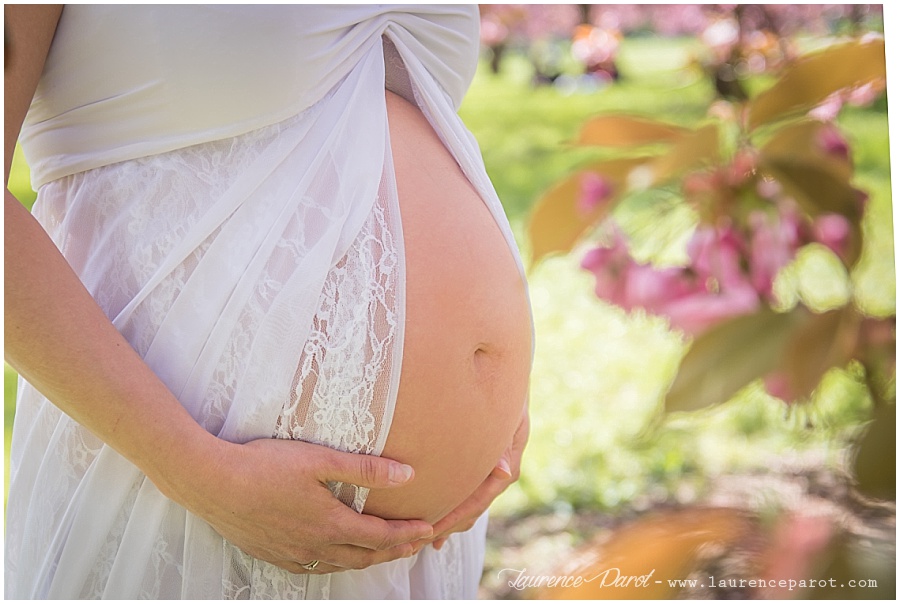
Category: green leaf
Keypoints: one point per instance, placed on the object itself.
(729, 356)
(875, 466)
(696, 150)
(820, 181)
(627, 131)
(877, 564)
(811, 79)
(556, 224)
(816, 188)
(824, 341)
(806, 140)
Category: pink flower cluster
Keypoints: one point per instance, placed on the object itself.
(595, 47)
(860, 96)
(595, 191)
(730, 271)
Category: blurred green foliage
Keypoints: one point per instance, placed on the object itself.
(522, 129)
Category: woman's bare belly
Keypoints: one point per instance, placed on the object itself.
(467, 347)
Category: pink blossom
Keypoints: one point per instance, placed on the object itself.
(774, 243)
(777, 384)
(609, 265)
(698, 312)
(832, 143)
(626, 283)
(723, 110)
(742, 167)
(594, 190)
(768, 188)
(594, 46)
(798, 545)
(722, 287)
(864, 95)
(721, 33)
(716, 256)
(859, 96)
(832, 231)
(693, 298)
(828, 110)
(653, 289)
(493, 32)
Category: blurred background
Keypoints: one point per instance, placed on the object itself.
(608, 456)
(604, 452)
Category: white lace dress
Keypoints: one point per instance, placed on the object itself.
(250, 250)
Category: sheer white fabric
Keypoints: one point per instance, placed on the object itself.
(261, 276)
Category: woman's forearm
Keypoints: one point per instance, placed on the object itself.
(56, 336)
(60, 340)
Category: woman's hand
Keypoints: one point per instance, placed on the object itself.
(270, 498)
(469, 511)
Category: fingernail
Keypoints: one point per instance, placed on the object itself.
(398, 473)
(503, 466)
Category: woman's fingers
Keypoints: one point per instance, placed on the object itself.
(364, 530)
(374, 533)
(277, 506)
(350, 557)
(363, 470)
(336, 557)
(473, 507)
(464, 516)
(502, 470)
(297, 520)
(504, 474)
(342, 557)
(347, 557)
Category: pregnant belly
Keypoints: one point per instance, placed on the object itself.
(467, 346)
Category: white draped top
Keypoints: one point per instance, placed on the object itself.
(220, 178)
(126, 81)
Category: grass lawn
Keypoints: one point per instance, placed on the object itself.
(598, 437)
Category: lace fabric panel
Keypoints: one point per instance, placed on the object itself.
(343, 390)
(345, 384)
(342, 384)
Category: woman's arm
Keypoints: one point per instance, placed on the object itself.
(268, 497)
